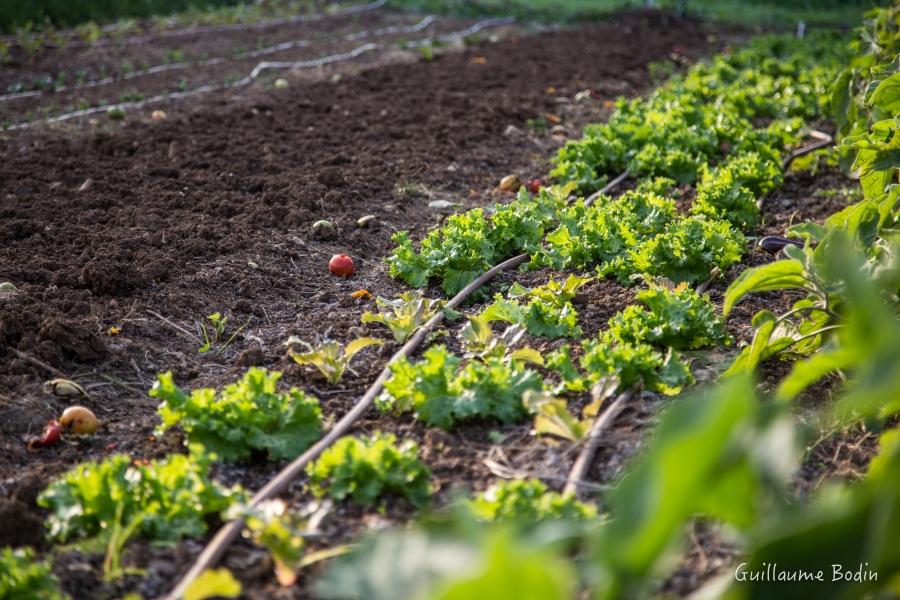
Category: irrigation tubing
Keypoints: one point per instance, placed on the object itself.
(823, 139)
(604, 420)
(254, 74)
(423, 24)
(581, 467)
(217, 546)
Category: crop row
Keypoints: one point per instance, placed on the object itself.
(722, 128)
(726, 454)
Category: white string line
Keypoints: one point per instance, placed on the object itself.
(263, 66)
(212, 87)
(423, 24)
(306, 64)
(172, 33)
(447, 37)
(18, 95)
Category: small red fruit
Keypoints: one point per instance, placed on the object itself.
(52, 432)
(341, 265)
(534, 186)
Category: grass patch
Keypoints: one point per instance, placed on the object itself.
(15, 14)
(769, 13)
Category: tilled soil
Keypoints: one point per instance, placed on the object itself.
(113, 74)
(121, 240)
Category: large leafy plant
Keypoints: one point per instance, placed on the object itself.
(247, 416)
(633, 363)
(689, 250)
(640, 344)
(442, 392)
(847, 323)
(472, 242)
(673, 316)
(732, 190)
(544, 311)
(600, 234)
(365, 469)
(169, 499)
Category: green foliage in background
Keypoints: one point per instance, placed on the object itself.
(529, 500)
(68, 13)
(770, 13)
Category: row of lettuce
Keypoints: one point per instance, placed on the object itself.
(719, 132)
(730, 454)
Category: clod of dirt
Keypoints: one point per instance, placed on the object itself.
(110, 278)
(251, 357)
(332, 177)
(514, 132)
(62, 339)
(18, 525)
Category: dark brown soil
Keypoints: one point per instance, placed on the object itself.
(112, 74)
(121, 241)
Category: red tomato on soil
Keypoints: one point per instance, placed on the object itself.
(341, 265)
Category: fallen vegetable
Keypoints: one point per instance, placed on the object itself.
(341, 265)
(79, 420)
(534, 186)
(282, 84)
(65, 388)
(51, 434)
(775, 244)
(510, 183)
(158, 115)
(323, 229)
